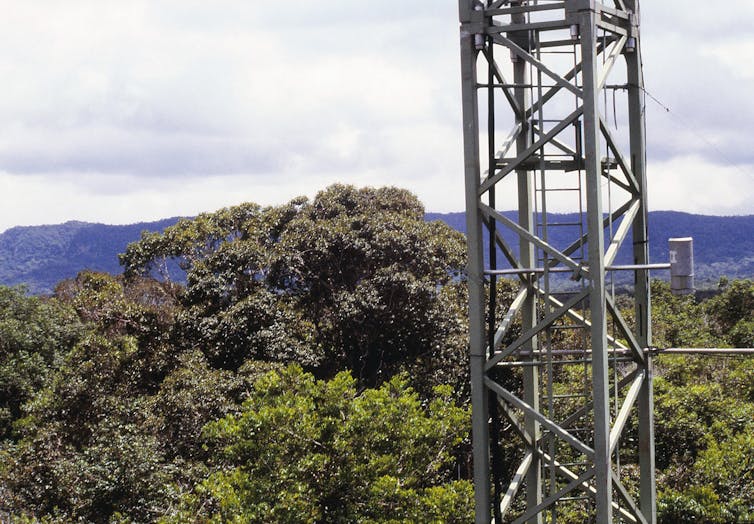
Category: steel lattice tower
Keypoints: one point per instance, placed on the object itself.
(552, 122)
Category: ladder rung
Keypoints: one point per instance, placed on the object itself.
(572, 499)
(574, 395)
(571, 464)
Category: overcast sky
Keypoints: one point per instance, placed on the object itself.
(120, 111)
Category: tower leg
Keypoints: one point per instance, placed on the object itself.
(526, 195)
(648, 491)
(475, 271)
(597, 295)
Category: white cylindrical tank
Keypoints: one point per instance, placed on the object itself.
(681, 265)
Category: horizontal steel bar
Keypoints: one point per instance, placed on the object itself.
(535, 163)
(634, 267)
(556, 224)
(570, 396)
(558, 43)
(571, 352)
(623, 352)
(523, 9)
(521, 86)
(524, 364)
(551, 25)
(705, 351)
(537, 270)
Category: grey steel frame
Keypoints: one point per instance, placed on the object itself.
(481, 33)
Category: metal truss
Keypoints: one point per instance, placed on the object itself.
(562, 371)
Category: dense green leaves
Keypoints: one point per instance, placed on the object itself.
(304, 450)
(355, 277)
(34, 334)
(678, 321)
(138, 400)
(732, 313)
(126, 373)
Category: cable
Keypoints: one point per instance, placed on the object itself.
(684, 123)
(650, 95)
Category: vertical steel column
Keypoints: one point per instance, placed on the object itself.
(637, 125)
(527, 257)
(475, 268)
(597, 294)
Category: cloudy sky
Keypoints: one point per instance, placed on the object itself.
(119, 111)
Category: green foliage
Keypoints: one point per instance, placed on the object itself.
(704, 432)
(694, 504)
(113, 430)
(34, 334)
(732, 313)
(728, 465)
(193, 395)
(85, 449)
(137, 400)
(355, 277)
(678, 321)
(306, 450)
(703, 407)
(742, 334)
(84, 453)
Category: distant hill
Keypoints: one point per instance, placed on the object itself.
(723, 246)
(42, 256)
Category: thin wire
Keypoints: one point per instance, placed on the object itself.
(650, 95)
(689, 127)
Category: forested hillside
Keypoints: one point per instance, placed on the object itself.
(312, 368)
(723, 246)
(41, 256)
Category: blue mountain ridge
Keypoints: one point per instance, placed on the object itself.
(41, 256)
(723, 245)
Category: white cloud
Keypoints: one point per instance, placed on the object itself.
(121, 111)
(694, 184)
(729, 53)
(122, 199)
